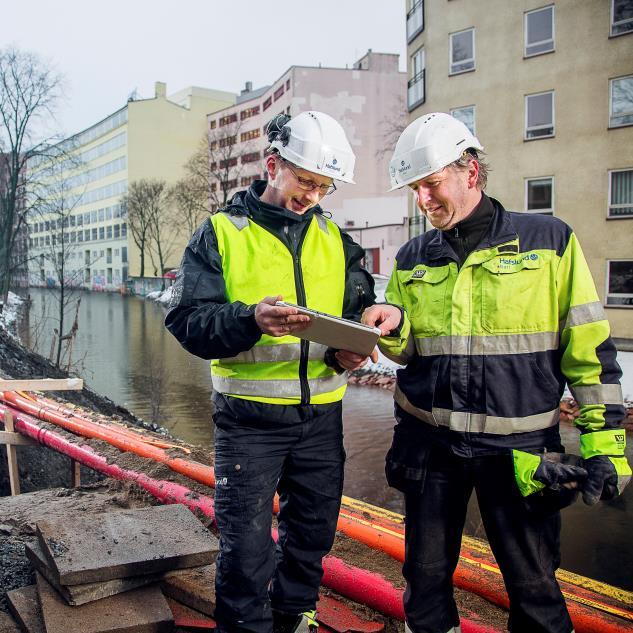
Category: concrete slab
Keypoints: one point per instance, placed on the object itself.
(87, 548)
(194, 588)
(143, 610)
(82, 594)
(25, 606)
(189, 618)
(8, 624)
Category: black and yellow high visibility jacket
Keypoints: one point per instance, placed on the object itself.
(243, 253)
(489, 346)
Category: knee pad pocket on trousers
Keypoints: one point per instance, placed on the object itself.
(406, 461)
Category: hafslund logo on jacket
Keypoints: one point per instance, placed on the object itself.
(418, 274)
(619, 441)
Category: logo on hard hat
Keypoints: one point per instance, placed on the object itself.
(332, 165)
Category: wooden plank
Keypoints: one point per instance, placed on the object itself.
(12, 457)
(45, 384)
(15, 439)
(75, 473)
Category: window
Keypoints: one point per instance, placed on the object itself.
(249, 112)
(250, 157)
(228, 162)
(94, 234)
(117, 231)
(415, 89)
(462, 51)
(466, 115)
(212, 124)
(229, 118)
(279, 92)
(124, 254)
(228, 140)
(101, 233)
(101, 215)
(109, 232)
(287, 85)
(621, 16)
(620, 283)
(621, 98)
(267, 103)
(539, 31)
(539, 195)
(415, 18)
(124, 230)
(539, 115)
(109, 256)
(251, 134)
(87, 235)
(621, 193)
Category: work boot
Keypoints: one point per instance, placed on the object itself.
(454, 629)
(295, 623)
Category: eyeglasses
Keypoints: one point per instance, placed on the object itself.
(310, 185)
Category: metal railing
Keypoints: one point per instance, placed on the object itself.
(416, 90)
(415, 20)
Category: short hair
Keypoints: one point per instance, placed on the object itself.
(484, 167)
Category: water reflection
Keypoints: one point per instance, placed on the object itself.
(128, 356)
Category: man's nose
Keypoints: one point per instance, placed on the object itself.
(314, 195)
(423, 195)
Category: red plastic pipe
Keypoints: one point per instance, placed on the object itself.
(355, 583)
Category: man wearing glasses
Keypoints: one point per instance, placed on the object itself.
(278, 416)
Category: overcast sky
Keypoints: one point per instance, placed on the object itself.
(108, 49)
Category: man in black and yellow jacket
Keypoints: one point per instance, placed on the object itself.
(491, 313)
(278, 414)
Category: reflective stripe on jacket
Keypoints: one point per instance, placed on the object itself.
(255, 264)
(488, 347)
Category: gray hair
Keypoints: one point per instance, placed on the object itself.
(484, 168)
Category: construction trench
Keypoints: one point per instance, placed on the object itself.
(133, 467)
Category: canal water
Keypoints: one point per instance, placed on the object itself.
(123, 351)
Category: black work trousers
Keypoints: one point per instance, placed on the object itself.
(260, 449)
(524, 540)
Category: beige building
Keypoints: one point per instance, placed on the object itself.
(548, 90)
(364, 99)
(148, 138)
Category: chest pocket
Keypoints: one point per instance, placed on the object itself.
(427, 289)
(517, 295)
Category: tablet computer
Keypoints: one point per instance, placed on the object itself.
(336, 332)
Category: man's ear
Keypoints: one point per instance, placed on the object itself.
(272, 166)
(473, 173)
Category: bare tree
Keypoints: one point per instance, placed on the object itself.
(29, 91)
(229, 149)
(190, 203)
(58, 197)
(135, 204)
(163, 227)
(391, 126)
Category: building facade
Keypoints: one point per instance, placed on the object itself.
(548, 90)
(365, 99)
(82, 225)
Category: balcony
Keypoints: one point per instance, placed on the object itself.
(415, 20)
(415, 91)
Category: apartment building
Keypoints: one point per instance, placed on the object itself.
(365, 99)
(547, 87)
(147, 138)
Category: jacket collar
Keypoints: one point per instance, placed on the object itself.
(500, 231)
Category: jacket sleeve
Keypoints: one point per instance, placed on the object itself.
(199, 315)
(398, 345)
(359, 284)
(588, 354)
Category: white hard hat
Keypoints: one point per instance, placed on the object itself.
(314, 141)
(427, 145)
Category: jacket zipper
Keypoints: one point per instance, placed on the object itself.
(301, 300)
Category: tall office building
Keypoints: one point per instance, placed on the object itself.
(148, 138)
(548, 89)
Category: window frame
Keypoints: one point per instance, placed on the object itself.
(553, 124)
(609, 203)
(552, 207)
(474, 109)
(416, 78)
(527, 55)
(452, 72)
(608, 294)
(612, 23)
(413, 7)
(630, 114)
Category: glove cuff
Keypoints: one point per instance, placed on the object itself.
(610, 443)
(525, 465)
